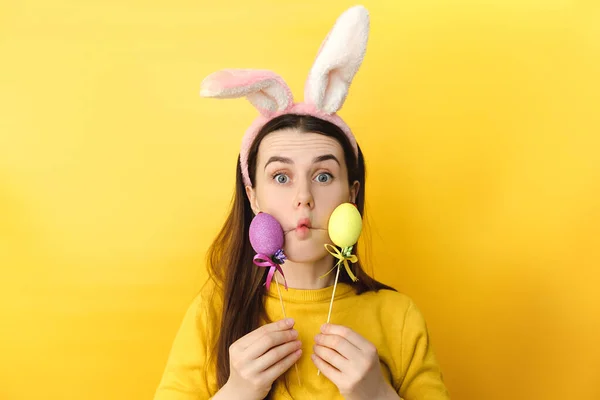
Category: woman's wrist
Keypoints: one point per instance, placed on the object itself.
(387, 392)
(225, 393)
(228, 392)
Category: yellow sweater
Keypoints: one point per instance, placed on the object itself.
(388, 319)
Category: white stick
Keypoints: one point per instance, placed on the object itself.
(283, 311)
(337, 274)
(333, 294)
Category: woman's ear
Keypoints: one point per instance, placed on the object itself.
(354, 191)
(251, 193)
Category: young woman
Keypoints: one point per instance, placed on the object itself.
(298, 162)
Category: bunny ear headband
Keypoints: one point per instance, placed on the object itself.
(326, 88)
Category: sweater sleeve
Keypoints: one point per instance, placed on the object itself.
(420, 375)
(185, 376)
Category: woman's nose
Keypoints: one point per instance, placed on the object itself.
(304, 195)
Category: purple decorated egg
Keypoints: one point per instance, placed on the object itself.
(266, 234)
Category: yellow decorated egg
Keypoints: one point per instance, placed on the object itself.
(345, 225)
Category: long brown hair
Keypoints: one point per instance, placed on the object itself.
(230, 255)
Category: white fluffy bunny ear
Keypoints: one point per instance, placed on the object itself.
(338, 60)
(264, 89)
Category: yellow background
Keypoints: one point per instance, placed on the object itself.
(480, 124)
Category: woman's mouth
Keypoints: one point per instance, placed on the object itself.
(303, 223)
(302, 229)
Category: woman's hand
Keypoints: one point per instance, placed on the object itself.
(351, 363)
(259, 358)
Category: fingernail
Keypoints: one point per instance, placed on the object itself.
(294, 333)
(289, 322)
(323, 327)
(317, 338)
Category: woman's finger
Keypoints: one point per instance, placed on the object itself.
(274, 355)
(269, 341)
(339, 344)
(332, 357)
(351, 336)
(326, 369)
(281, 325)
(277, 369)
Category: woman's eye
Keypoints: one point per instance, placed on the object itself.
(281, 178)
(324, 177)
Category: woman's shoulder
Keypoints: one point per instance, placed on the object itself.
(389, 297)
(208, 290)
(391, 303)
(208, 301)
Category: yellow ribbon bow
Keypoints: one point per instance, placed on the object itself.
(343, 257)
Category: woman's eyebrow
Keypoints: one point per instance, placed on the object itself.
(287, 160)
(284, 160)
(325, 158)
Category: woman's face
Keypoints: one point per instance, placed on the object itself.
(300, 179)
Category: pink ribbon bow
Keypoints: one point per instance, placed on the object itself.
(262, 260)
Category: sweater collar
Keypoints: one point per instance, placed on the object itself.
(293, 295)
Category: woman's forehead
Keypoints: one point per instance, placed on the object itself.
(296, 144)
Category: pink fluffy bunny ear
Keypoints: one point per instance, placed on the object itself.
(264, 89)
(338, 60)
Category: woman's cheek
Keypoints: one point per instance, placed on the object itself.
(275, 203)
(333, 199)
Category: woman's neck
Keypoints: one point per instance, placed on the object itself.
(306, 275)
